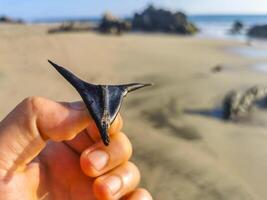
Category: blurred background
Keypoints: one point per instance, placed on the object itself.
(200, 132)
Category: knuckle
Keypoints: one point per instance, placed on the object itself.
(32, 104)
(28, 110)
(35, 103)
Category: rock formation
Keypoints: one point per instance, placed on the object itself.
(237, 104)
(259, 31)
(237, 27)
(160, 20)
(113, 25)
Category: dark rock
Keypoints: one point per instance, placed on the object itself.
(72, 27)
(259, 31)
(113, 25)
(237, 27)
(5, 19)
(217, 68)
(152, 19)
(238, 104)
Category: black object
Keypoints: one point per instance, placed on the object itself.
(102, 101)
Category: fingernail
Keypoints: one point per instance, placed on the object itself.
(98, 159)
(78, 105)
(114, 184)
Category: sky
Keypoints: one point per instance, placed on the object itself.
(37, 9)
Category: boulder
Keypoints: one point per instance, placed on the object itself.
(160, 20)
(113, 25)
(237, 27)
(238, 104)
(259, 31)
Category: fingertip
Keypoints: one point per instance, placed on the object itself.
(117, 183)
(139, 194)
(92, 162)
(98, 159)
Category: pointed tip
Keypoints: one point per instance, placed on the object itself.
(50, 62)
(136, 86)
(104, 135)
(53, 64)
(106, 141)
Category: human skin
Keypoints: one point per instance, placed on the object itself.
(51, 150)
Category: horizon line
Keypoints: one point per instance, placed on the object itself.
(127, 16)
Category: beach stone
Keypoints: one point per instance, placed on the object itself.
(237, 104)
(113, 25)
(160, 20)
(217, 68)
(259, 31)
(237, 27)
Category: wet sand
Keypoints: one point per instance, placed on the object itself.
(183, 150)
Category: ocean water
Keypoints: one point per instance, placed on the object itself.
(218, 26)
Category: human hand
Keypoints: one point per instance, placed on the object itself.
(52, 150)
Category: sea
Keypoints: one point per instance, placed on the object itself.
(219, 26)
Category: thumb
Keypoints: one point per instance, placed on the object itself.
(23, 133)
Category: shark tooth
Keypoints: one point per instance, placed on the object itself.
(102, 101)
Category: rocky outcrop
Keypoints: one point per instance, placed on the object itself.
(113, 25)
(160, 20)
(5, 19)
(237, 105)
(72, 27)
(259, 31)
(237, 27)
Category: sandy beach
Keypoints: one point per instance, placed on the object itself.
(184, 151)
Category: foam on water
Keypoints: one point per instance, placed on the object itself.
(218, 26)
(254, 52)
(261, 67)
(250, 51)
